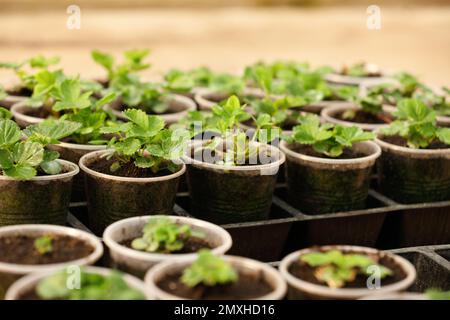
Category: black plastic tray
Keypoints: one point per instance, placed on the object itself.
(384, 224)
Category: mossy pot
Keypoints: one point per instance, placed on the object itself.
(27, 283)
(299, 289)
(139, 262)
(244, 265)
(178, 107)
(42, 199)
(409, 175)
(231, 194)
(323, 185)
(73, 152)
(112, 198)
(10, 272)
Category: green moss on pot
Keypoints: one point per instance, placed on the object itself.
(43, 199)
(322, 185)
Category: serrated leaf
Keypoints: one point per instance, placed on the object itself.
(443, 135)
(51, 167)
(9, 133)
(28, 153)
(51, 131)
(5, 159)
(21, 172)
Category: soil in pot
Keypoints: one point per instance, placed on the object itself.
(20, 92)
(309, 151)
(303, 271)
(126, 170)
(366, 117)
(20, 249)
(246, 287)
(410, 179)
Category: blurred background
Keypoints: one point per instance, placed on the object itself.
(228, 34)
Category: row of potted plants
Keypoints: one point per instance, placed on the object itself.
(183, 258)
(231, 176)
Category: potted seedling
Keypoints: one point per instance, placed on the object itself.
(188, 82)
(356, 74)
(95, 284)
(344, 272)
(69, 102)
(220, 87)
(32, 248)
(415, 163)
(138, 175)
(137, 244)
(366, 112)
(328, 167)
(36, 185)
(212, 277)
(26, 72)
(231, 178)
(132, 92)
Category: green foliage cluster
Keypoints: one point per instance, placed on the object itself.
(209, 270)
(21, 159)
(44, 244)
(163, 236)
(336, 268)
(327, 139)
(93, 286)
(416, 123)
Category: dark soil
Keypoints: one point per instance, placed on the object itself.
(42, 113)
(366, 117)
(128, 170)
(304, 272)
(399, 141)
(21, 92)
(21, 250)
(246, 287)
(191, 245)
(208, 154)
(30, 295)
(309, 151)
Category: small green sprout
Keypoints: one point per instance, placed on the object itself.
(209, 270)
(417, 124)
(163, 235)
(437, 294)
(336, 268)
(327, 139)
(92, 287)
(44, 244)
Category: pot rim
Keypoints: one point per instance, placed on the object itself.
(405, 150)
(371, 157)
(206, 104)
(152, 257)
(328, 113)
(278, 293)
(94, 173)
(187, 102)
(83, 147)
(89, 238)
(352, 80)
(189, 160)
(73, 172)
(346, 293)
(17, 112)
(32, 279)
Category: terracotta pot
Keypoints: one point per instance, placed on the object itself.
(112, 198)
(323, 185)
(10, 272)
(301, 289)
(139, 262)
(43, 199)
(246, 265)
(29, 282)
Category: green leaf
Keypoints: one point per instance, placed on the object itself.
(21, 172)
(69, 96)
(443, 135)
(5, 159)
(51, 131)
(51, 167)
(9, 133)
(27, 153)
(104, 59)
(5, 114)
